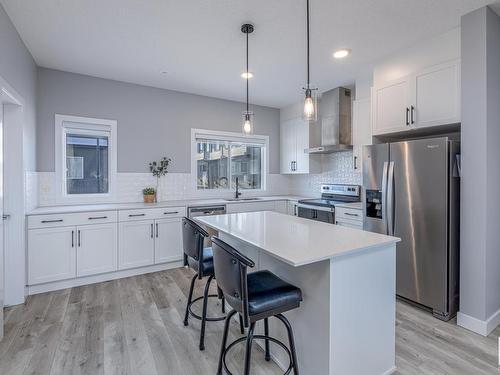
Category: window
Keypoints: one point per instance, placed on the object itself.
(85, 159)
(220, 157)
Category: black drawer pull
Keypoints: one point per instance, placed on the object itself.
(349, 214)
(135, 215)
(52, 221)
(98, 217)
(170, 212)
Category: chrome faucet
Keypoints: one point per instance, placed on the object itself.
(237, 193)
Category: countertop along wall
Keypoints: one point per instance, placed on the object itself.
(151, 122)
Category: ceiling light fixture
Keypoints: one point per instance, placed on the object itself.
(247, 115)
(341, 53)
(310, 112)
(247, 75)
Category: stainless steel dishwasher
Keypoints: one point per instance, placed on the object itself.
(207, 211)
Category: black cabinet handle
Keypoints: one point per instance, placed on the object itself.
(52, 221)
(412, 114)
(156, 230)
(79, 243)
(407, 116)
(151, 230)
(170, 212)
(98, 217)
(355, 162)
(349, 214)
(72, 238)
(135, 215)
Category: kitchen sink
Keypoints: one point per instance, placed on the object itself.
(242, 199)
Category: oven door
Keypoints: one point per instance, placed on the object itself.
(318, 213)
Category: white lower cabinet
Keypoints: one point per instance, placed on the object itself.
(292, 208)
(136, 244)
(168, 240)
(52, 254)
(97, 249)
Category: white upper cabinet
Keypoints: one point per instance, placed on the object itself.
(429, 97)
(288, 146)
(436, 95)
(392, 106)
(296, 136)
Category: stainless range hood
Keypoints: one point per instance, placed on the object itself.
(335, 122)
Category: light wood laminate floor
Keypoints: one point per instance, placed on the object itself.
(134, 326)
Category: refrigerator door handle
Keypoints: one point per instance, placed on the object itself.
(390, 199)
(384, 197)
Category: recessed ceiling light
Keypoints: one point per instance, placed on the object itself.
(246, 75)
(163, 72)
(341, 53)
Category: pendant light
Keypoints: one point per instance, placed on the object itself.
(310, 112)
(247, 115)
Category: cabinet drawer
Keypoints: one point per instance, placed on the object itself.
(348, 214)
(151, 213)
(64, 220)
(350, 223)
(169, 212)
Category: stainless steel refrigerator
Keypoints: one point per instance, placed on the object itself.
(411, 191)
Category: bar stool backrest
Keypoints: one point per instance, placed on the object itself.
(192, 240)
(230, 267)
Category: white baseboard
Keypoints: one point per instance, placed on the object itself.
(482, 327)
(64, 284)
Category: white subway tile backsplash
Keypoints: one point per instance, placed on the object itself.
(337, 168)
(41, 188)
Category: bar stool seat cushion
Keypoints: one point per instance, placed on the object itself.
(268, 293)
(207, 264)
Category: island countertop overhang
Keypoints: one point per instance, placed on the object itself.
(294, 240)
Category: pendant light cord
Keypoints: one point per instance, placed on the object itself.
(248, 78)
(308, 75)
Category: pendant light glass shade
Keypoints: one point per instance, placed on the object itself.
(310, 112)
(247, 126)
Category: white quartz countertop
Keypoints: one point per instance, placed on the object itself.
(294, 240)
(62, 209)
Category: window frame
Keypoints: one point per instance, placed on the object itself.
(224, 136)
(90, 126)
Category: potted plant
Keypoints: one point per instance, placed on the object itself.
(149, 194)
(159, 169)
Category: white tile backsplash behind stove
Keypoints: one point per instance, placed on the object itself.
(337, 168)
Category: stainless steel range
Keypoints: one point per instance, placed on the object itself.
(323, 209)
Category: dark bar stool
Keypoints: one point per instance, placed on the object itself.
(200, 259)
(256, 296)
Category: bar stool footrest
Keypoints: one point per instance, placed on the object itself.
(208, 319)
(257, 337)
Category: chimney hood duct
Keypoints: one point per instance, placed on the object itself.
(335, 122)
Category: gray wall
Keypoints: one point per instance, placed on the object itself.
(480, 201)
(18, 68)
(151, 122)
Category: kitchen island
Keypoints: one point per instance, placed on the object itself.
(346, 322)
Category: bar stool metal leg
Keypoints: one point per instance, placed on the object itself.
(190, 298)
(204, 313)
(266, 333)
(291, 342)
(224, 340)
(242, 329)
(248, 353)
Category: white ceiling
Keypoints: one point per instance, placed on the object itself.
(199, 43)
